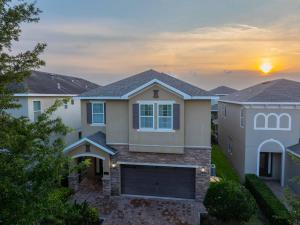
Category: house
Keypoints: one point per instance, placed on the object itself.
(40, 90)
(218, 92)
(259, 130)
(146, 135)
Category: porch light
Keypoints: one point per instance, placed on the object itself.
(113, 165)
(203, 169)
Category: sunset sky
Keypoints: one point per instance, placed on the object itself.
(205, 42)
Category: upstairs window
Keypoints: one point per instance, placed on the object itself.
(98, 113)
(146, 116)
(165, 116)
(37, 110)
(272, 121)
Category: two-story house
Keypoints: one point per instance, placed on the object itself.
(259, 130)
(146, 135)
(40, 90)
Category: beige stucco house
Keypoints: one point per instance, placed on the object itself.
(40, 90)
(146, 135)
(259, 130)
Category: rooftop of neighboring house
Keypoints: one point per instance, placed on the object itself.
(222, 90)
(274, 91)
(54, 84)
(125, 87)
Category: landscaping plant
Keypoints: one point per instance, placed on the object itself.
(229, 201)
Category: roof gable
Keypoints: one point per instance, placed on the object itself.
(222, 90)
(124, 88)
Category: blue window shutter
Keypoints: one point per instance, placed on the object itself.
(176, 116)
(104, 110)
(89, 113)
(135, 116)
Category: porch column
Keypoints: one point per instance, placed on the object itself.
(106, 185)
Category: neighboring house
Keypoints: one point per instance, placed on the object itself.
(220, 91)
(147, 135)
(259, 129)
(40, 90)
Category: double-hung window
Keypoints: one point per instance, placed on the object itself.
(98, 113)
(165, 117)
(37, 110)
(146, 116)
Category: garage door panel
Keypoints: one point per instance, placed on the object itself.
(158, 181)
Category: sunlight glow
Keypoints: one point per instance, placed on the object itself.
(266, 67)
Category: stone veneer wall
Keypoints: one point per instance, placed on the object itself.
(191, 156)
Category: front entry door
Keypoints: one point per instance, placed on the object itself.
(265, 165)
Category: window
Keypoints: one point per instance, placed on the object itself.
(66, 105)
(36, 110)
(272, 121)
(165, 117)
(98, 113)
(72, 101)
(242, 118)
(146, 116)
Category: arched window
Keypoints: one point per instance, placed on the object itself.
(272, 121)
(260, 121)
(285, 121)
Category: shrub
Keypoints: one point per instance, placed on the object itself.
(274, 210)
(229, 201)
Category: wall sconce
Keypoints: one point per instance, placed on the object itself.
(113, 165)
(203, 169)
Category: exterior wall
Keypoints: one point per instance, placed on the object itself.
(21, 111)
(165, 142)
(229, 129)
(191, 157)
(88, 129)
(197, 117)
(256, 137)
(117, 122)
(93, 150)
(292, 170)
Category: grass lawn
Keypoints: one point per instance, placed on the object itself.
(226, 171)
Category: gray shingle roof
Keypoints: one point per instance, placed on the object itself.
(49, 83)
(100, 138)
(295, 149)
(122, 87)
(222, 90)
(280, 90)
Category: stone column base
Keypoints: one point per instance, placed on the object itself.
(73, 180)
(106, 185)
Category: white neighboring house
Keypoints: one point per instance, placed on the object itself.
(259, 130)
(40, 90)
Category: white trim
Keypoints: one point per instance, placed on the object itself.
(158, 164)
(155, 101)
(195, 146)
(77, 143)
(43, 95)
(278, 121)
(170, 146)
(123, 98)
(112, 143)
(294, 153)
(38, 111)
(282, 157)
(156, 197)
(89, 155)
(260, 103)
(97, 124)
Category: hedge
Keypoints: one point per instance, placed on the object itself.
(274, 210)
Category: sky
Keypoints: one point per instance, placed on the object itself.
(205, 42)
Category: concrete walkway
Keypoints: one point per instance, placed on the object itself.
(277, 190)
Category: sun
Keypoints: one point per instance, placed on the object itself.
(266, 67)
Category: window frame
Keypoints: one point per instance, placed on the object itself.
(140, 117)
(36, 111)
(103, 113)
(242, 117)
(158, 116)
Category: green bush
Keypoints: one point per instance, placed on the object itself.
(229, 201)
(270, 205)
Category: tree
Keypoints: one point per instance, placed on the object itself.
(14, 68)
(293, 200)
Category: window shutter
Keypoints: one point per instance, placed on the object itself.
(89, 113)
(135, 116)
(176, 116)
(104, 110)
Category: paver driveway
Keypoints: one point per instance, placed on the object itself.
(140, 211)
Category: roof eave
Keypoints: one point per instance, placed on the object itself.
(260, 103)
